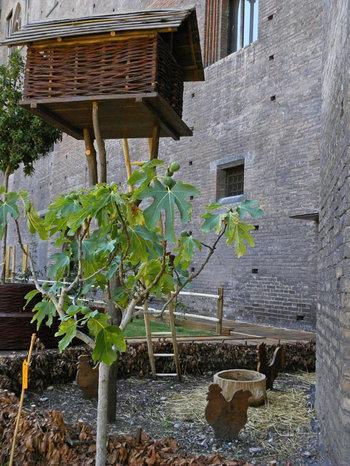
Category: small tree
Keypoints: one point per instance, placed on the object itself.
(23, 137)
(107, 232)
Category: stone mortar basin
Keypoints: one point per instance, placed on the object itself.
(232, 380)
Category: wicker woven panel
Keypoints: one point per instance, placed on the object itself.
(132, 66)
(12, 297)
(91, 69)
(170, 78)
(16, 331)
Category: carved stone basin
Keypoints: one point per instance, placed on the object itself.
(233, 380)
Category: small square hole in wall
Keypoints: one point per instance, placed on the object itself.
(193, 269)
(230, 180)
(270, 17)
(300, 317)
(191, 198)
(256, 227)
(190, 163)
(273, 98)
(271, 57)
(255, 271)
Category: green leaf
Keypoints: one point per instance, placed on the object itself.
(68, 328)
(249, 208)
(185, 251)
(145, 173)
(29, 296)
(165, 200)
(213, 222)
(109, 342)
(239, 233)
(35, 223)
(75, 309)
(42, 310)
(8, 207)
(98, 322)
(60, 264)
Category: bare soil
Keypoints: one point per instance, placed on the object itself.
(284, 430)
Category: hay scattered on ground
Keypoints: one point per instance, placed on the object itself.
(275, 428)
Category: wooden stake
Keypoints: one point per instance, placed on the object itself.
(149, 339)
(13, 262)
(173, 336)
(25, 259)
(100, 144)
(220, 311)
(20, 406)
(90, 153)
(125, 144)
(7, 262)
(153, 143)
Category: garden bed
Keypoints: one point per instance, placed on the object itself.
(285, 429)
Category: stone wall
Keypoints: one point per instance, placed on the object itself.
(234, 118)
(333, 318)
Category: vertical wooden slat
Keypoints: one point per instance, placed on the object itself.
(25, 259)
(220, 311)
(174, 340)
(149, 339)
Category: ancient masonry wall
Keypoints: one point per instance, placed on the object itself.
(234, 118)
(333, 317)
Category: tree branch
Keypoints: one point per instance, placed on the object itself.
(194, 275)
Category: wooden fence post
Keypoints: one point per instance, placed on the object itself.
(220, 311)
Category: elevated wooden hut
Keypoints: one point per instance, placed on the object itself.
(133, 65)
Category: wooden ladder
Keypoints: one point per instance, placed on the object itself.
(149, 335)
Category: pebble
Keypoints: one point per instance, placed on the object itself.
(44, 398)
(50, 387)
(254, 450)
(307, 454)
(177, 425)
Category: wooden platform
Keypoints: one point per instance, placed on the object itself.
(120, 116)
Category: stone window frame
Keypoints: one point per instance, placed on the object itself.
(219, 167)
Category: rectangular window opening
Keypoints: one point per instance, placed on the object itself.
(234, 183)
(242, 24)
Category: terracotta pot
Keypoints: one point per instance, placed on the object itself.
(233, 380)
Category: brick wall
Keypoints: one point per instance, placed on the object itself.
(333, 322)
(234, 118)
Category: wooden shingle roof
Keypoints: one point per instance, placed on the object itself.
(181, 23)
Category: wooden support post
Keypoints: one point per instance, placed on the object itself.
(90, 153)
(20, 406)
(13, 262)
(220, 311)
(173, 336)
(100, 144)
(154, 143)
(149, 339)
(125, 144)
(7, 262)
(25, 259)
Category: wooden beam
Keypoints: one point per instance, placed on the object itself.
(55, 120)
(125, 144)
(90, 153)
(157, 116)
(100, 144)
(154, 143)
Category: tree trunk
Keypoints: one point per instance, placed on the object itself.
(4, 239)
(102, 423)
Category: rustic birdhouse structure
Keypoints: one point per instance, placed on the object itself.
(132, 65)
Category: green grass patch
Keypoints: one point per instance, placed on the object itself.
(136, 328)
